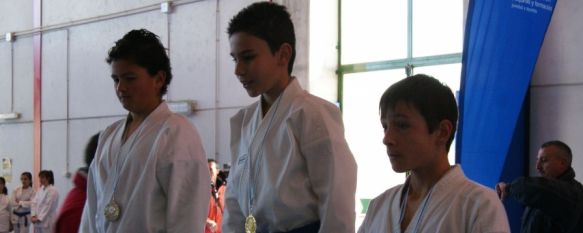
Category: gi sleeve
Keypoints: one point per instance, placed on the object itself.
(183, 175)
(331, 166)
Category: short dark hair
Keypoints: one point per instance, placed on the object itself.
(47, 174)
(211, 160)
(91, 148)
(268, 21)
(568, 155)
(4, 190)
(434, 101)
(143, 48)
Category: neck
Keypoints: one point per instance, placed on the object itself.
(138, 117)
(269, 97)
(422, 180)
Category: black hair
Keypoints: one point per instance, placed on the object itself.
(91, 148)
(268, 21)
(49, 175)
(4, 190)
(143, 48)
(29, 175)
(434, 101)
(568, 155)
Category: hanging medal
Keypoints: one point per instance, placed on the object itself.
(250, 222)
(112, 211)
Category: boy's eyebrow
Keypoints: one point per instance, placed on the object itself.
(124, 74)
(242, 52)
(398, 115)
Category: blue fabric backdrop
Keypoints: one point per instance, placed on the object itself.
(502, 43)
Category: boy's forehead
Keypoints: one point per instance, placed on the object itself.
(400, 108)
(242, 41)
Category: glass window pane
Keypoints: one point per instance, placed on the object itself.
(364, 133)
(437, 27)
(450, 75)
(373, 30)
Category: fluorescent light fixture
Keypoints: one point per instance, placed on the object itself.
(185, 107)
(9, 37)
(9, 116)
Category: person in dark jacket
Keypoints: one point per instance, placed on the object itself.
(554, 202)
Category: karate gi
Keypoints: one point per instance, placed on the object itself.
(44, 207)
(305, 171)
(162, 174)
(21, 200)
(4, 213)
(456, 204)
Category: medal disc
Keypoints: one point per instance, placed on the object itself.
(112, 211)
(250, 224)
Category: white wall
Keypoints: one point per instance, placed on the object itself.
(557, 85)
(77, 92)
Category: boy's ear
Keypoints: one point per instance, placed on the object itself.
(160, 78)
(444, 131)
(284, 54)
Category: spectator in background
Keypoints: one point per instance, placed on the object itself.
(72, 209)
(45, 203)
(5, 221)
(554, 202)
(217, 201)
(21, 200)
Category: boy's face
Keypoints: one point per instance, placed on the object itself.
(409, 144)
(136, 89)
(258, 70)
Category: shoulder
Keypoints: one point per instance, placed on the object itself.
(177, 121)
(244, 112)
(385, 199)
(314, 104)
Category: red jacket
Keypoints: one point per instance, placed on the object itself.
(216, 210)
(70, 216)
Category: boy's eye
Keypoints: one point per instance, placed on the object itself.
(401, 125)
(248, 57)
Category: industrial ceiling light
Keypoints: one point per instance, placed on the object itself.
(9, 116)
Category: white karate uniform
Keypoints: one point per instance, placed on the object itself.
(5, 210)
(162, 174)
(44, 207)
(456, 204)
(24, 197)
(305, 170)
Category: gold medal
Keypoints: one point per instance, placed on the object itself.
(112, 211)
(250, 224)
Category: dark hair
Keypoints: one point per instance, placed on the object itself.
(268, 21)
(434, 101)
(143, 48)
(3, 181)
(49, 175)
(91, 148)
(568, 155)
(29, 175)
(211, 160)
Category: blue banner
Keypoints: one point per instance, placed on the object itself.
(502, 43)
